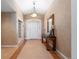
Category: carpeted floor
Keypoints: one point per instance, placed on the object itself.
(34, 49)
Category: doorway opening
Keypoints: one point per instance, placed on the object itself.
(33, 29)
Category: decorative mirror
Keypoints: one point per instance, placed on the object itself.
(50, 25)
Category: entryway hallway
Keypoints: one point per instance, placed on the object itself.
(34, 49)
(47, 21)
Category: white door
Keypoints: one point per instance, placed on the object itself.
(33, 29)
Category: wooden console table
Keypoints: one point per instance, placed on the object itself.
(51, 43)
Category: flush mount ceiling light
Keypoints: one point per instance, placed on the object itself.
(34, 14)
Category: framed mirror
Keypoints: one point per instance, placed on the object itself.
(50, 24)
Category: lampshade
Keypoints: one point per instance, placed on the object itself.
(34, 15)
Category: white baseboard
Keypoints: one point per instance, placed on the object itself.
(62, 54)
(8, 45)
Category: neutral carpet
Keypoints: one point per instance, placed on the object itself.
(34, 49)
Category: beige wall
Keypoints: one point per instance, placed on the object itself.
(8, 31)
(10, 23)
(62, 11)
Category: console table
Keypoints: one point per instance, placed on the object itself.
(51, 43)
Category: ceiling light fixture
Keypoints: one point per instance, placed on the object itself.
(34, 14)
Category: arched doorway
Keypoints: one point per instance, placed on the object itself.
(33, 29)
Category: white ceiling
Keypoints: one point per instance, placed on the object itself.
(27, 5)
